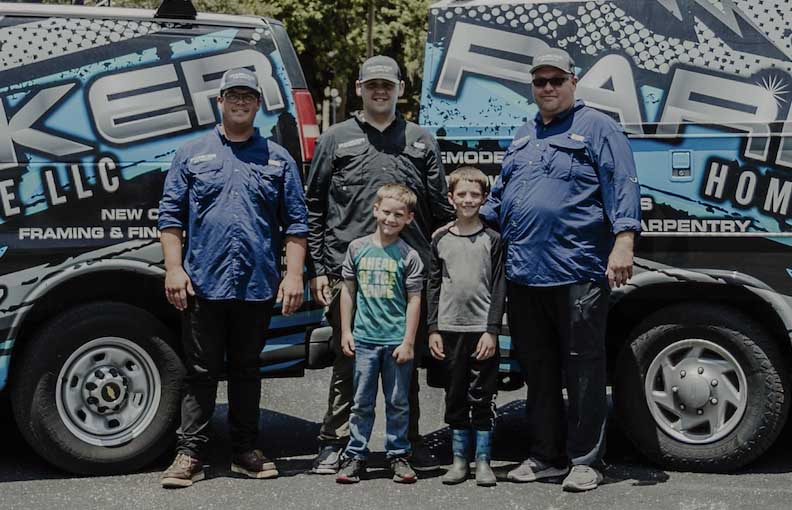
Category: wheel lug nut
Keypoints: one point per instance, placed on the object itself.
(699, 411)
(714, 401)
(701, 370)
(682, 406)
(714, 382)
(675, 389)
(99, 374)
(114, 372)
(93, 400)
(682, 373)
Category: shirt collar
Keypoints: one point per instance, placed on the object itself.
(360, 116)
(255, 137)
(561, 116)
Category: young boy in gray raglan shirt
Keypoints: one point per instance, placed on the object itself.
(465, 295)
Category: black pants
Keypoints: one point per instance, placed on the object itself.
(472, 384)
(558, 335)
(212, 332)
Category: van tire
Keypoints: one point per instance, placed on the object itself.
(66, 423)
(731, 335)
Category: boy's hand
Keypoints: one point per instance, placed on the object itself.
(348, 344)
(403, 353)
(485, 349)
(436, 346)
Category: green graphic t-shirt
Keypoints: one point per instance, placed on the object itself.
(383, 277)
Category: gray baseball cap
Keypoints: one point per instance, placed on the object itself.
(239, 78)
(554, 57)
(380, 67)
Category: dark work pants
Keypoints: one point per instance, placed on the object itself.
(335, 425)
(472, 384)
(213, 331)
(558, 334)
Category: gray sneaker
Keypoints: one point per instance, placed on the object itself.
(328, 461)
(531, 470)
(581, 479)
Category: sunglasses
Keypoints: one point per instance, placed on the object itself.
(555, 81)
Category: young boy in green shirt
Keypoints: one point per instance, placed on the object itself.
(383, 279)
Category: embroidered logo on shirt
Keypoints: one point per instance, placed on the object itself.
(521, 140)
(274, 162)
(419, 145)
(202, 158)
(351, 143)
(576, 137)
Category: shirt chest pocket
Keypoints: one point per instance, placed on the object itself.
(267, 180)
(349, 162)
(206, 178)
(564, 158)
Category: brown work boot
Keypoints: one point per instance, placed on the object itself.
(184, 471)
(253, 464)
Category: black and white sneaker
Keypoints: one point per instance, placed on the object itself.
(328, 461)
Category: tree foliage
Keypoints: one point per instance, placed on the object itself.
(330, 37)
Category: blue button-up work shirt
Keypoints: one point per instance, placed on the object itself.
(565, 190)
(235, 202)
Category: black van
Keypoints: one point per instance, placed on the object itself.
(93, 104)
(700, 339)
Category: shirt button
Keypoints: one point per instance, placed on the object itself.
(236, 169)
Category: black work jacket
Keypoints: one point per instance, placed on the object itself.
(353, 159)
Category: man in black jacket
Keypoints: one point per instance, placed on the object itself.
(352, 159)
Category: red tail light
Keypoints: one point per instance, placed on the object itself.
(306, 120)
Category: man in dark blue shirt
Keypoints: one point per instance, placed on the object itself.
(231, 200)
(568, 206)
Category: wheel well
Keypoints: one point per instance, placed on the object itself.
(136, 289)
(636, 306)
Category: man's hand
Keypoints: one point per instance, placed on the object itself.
(177, 287)
(320, 290)
(403, 353)
(290, 293)
(620, 261)
(348, 344)
(444, 227)
(436, 346)
(485, 349)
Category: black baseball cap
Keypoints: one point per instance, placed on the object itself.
(380, 67)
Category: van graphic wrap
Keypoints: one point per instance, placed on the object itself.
(91, 113)
(702, 90)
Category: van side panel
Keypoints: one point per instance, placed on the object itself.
(91, 114)
(703, 91)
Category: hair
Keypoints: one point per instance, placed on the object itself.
(469, 174)
(398, 192)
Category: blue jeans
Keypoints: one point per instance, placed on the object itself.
(373, 361)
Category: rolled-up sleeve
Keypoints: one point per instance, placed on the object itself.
(173, 205)
(621, 193)
(293, 213)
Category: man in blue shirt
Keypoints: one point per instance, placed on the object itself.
(231, 200)
(568, 206)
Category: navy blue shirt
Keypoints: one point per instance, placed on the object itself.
(235, 201)
(565, 190)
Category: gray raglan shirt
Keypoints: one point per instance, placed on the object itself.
(467, 286)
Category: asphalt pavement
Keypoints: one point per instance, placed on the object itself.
(292, 410)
